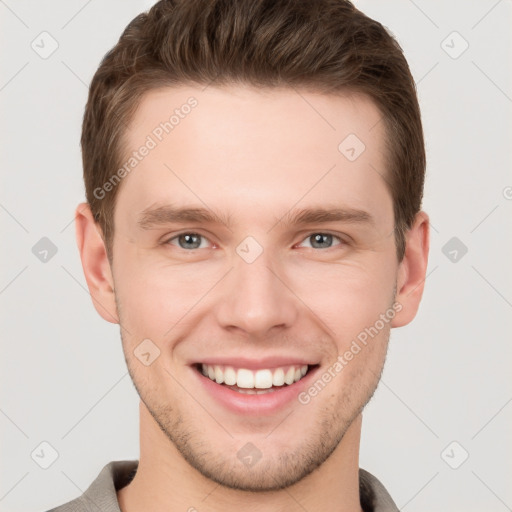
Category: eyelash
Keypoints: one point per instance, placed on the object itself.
(341, 240)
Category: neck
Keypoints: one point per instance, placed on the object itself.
(165, 481)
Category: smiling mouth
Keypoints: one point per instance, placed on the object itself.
(265, 380)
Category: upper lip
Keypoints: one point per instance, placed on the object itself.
(256, 364)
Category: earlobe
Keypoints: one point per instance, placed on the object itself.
(95, 264)
(412, 270)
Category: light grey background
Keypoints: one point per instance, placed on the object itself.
(447, 377)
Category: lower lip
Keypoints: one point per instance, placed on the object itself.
(264, 404)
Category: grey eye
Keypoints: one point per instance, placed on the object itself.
(188, 240)
(321, 240)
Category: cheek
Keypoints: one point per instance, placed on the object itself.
(347, 297)
(154, 297)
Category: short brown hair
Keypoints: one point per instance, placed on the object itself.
(327, 46)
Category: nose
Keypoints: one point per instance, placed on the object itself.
(256, 300)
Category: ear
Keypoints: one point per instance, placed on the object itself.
(95, 263)
(412, 270)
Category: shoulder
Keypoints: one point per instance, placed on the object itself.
(374, 496)
(101, 493)
(76, 505)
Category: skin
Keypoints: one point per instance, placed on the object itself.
(256, 155)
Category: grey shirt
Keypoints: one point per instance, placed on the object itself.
(101, 496)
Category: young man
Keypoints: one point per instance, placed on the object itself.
(254, 173)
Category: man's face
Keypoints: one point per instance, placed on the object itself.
(258, 285)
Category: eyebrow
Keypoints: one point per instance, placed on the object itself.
(323, 215)
(167, 214)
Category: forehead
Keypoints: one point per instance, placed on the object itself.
(233, 112)
(250, 147)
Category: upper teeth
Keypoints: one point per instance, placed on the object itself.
(261, 379)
